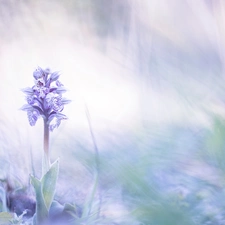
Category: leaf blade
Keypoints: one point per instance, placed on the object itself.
(49, 183)
(41, 209)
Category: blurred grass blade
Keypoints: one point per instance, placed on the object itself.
(89, 199)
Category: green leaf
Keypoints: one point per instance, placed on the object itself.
(69, 207)
(49, 183)
(41, 209)
(44, 190)
(5, 218)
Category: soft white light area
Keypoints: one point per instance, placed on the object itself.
(106, 79)
(109, 101)
(104, 87)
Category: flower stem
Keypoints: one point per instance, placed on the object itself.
(46, 159)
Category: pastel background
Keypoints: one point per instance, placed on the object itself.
(152, 76)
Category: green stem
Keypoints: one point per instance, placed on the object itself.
(46, 159)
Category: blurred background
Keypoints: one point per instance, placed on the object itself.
(151, 74)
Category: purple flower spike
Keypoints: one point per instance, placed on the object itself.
(45, 99)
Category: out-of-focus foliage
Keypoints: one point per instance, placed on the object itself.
(215, 143)
(165, 180)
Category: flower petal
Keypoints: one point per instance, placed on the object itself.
(65, 101)
(54, 76)
(28, 91)
(58, 83)
(53, 102)
(55, 120)
(38, 73)
(60, 90)
(33, 116)
(54, 124)
(45, 98)
(26, 107)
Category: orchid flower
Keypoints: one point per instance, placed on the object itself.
(45, 100)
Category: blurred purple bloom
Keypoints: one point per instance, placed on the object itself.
(44, 99)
